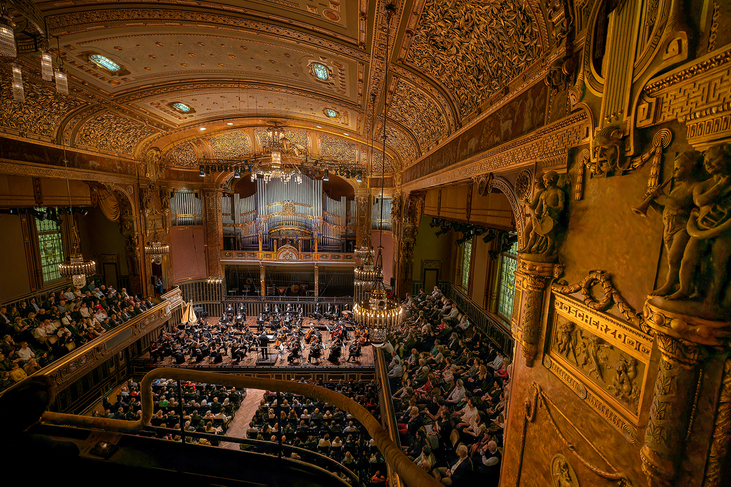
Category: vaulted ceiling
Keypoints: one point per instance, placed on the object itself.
(243, 65)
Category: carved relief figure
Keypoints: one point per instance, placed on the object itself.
(590, 347)
(545, 218)
(607, 151)
(566, 340)
(530, 207)
(623, 382)
(599, 362)
(709, 227)
(676, 207)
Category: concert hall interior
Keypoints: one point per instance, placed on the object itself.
(366, 242)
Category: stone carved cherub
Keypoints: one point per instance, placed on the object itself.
(676, 207)
(709, 228)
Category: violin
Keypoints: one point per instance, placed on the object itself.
(308, 335)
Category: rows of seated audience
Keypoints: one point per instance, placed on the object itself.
(449, 389)
(35, 334)
(206, 408)
(322, 428)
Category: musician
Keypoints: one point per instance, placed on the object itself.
(266, 309)
(335, 350)
(329, 312)
(354, 349)
(264, 345)
(295, 350)
(318, 311)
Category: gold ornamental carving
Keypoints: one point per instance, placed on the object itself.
(599, 405)
(610, 357)
(539, 400)
(562, 473)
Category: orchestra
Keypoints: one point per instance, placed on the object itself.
(278, 331)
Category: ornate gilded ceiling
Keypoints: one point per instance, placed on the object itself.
(240, 65)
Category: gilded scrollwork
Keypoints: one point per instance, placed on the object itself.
(42, 112)
(419, 112)
(112, 133)
(230, 145)
(182, 155)
(475, 48)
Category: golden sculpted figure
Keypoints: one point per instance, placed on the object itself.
(676, 207)
(698, 245)
(546, 209)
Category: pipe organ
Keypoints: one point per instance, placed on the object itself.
(378, 222)
(288, 213)
(186, 208)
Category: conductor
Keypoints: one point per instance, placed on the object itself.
(264, 345)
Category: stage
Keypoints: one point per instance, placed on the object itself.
(279, 356)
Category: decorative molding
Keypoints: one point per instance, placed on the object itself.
(501, 184)
(611, 330)
(47, 171)
(611, 295)
(540, 400)
(548, 141)
(603, 409)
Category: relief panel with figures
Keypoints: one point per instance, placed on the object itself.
(605, 357)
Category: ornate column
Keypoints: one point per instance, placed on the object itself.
(317, 280)
(262, 279)
(672, 408)
(363, 216)
(530, 286)
(413, 209)
(214, 231)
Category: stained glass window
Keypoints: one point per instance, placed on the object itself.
(105, 62)
(466, 261)
(320, 71)
(331, 113)
(181, 107)
(51, 248)
(508, 264)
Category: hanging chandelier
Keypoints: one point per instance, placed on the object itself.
(365, 277)
(76, 268)
(156, 250)
(379, 313)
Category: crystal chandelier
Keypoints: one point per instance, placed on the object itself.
(76, 268)
(365, 277)
(156, 250)
(378, 312)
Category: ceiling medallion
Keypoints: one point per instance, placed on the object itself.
(320, 71)
(181, 107)
(331, 113)
(105, 62)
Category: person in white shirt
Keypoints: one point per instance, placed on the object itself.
(25, 353)
(85, 311)
(457, 394)
(498, 362)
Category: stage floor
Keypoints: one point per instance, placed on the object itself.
(280, 357)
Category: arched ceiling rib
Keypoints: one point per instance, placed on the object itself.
(250, 62)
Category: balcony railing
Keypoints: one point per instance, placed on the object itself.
(407, 471)
(82, 360)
